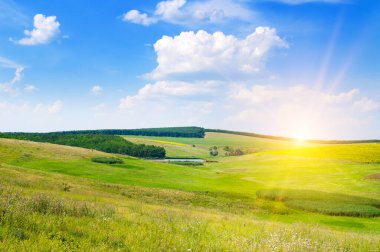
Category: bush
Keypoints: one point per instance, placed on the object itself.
(229, 151)
(107, 160)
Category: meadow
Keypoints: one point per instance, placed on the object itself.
(283, 196)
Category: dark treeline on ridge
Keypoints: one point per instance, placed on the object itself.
(100, 142)
(190, 132)
(292, 139)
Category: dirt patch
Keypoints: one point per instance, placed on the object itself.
(375, 176)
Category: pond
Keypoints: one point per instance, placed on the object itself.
(179, 160)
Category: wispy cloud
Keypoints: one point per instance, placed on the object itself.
(52, 108)
(11, 13)
(8, 86)
(167, 90)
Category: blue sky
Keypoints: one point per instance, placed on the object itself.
(299, 68)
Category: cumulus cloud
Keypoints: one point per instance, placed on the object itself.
(261, 94)
(96, 90)
(300, 109)
(198, 81)
(162, 89)
(134, 16)
(341, 97)
(202, 52)
(192, 12)
(46, 28)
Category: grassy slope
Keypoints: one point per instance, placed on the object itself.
(205, 206)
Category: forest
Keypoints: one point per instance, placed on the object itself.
(100, 142)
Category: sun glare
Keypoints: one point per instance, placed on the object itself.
(301, 137)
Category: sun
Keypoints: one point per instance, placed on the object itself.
(301, 136)
(300, 139)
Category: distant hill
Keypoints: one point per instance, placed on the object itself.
(292, 139)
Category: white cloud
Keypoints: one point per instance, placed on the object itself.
(96, 90)
(341, 97)
(8, 86)
(198, 82)
(202, 52)
(262, 94)
(18, 75)
(45, 30)
(134, 16)
(170, 10)
(192, 12)
(301, 110)
(162, 89)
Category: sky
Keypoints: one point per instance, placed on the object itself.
(297, 68)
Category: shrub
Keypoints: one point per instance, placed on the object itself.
(107, 160)
(66, 187)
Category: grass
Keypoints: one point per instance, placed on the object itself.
(62, 200)
(104, 217)
(361, 153)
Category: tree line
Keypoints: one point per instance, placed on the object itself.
(100, 142)
(190, 132)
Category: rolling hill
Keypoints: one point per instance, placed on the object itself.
(281, 196)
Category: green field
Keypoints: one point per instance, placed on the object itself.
(283, 196)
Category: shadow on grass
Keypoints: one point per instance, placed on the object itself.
(325, 203)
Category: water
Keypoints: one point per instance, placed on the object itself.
(194, 160)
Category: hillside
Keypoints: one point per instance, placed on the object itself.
(58, 197)
(190, 147)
